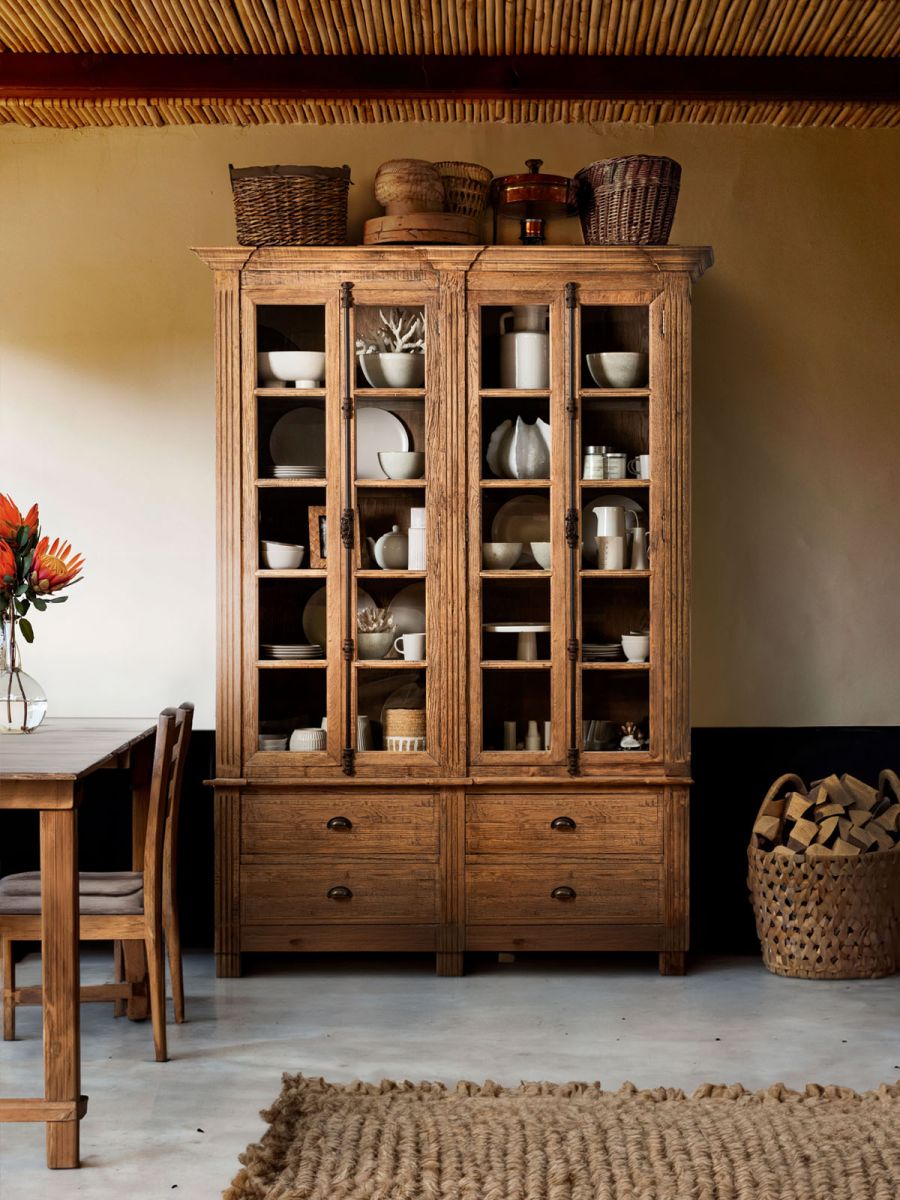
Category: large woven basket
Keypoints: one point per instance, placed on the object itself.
(290, 206)
(826, 918)
(628, 201)
(466, 187)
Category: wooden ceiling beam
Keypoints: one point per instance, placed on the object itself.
(97, 77)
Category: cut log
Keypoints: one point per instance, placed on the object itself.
(883, 840)
(836, 792)
(863, 795)
(817, 850)
(827, 830)
(859, 835)
(845, 848)
(768, 831)
(801, 835)
(824, 812)
(890, 818)
(859, 816)
(798, 806)
(773, 807)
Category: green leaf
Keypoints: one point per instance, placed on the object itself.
(21, 607)
(23, 535)
(39, 604)
(56, 600)
(27, 631)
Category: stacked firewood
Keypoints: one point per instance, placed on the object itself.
(836, 817)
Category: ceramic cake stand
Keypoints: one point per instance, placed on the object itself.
(526, 649)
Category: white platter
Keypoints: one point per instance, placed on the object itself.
(523, 519)
(377, 430)
(408, 609)
(315, 614)
(589, 522)
(298, 438)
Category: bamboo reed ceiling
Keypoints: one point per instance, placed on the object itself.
(834, 29)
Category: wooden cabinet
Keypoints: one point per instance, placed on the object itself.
(474, 796)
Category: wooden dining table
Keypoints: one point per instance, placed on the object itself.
(46, 771)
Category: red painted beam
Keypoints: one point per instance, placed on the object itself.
(469, 77)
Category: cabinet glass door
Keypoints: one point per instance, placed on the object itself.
(292, 646)
(395, 457)
(515, 529)
(617, 636)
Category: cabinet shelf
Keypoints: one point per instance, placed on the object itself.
(377, 573)
(292, 664)
(363, 393)
(515, 664)
(515, 483)
(613, 393)
(393, 664)
(387, 484)
(290, 392)
(614, 485)
(595, 574)
(516, 393)
(297, 573)
(615, 666)
(291, 483)
(513, 574)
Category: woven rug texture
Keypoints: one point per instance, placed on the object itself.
(543, 1141)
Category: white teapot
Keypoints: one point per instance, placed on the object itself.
(391, 551)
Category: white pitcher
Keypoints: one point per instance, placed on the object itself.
(524, 353)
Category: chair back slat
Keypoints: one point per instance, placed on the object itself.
(183, 724)
(160, 779)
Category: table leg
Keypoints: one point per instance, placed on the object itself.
(138, 1007)
(61, 977)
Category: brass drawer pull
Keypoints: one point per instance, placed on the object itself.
(339, 893)
(563, 893)
(562, 823)
(339, 823)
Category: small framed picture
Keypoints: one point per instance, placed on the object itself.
(318, 537)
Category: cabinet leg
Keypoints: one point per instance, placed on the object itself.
(671, 962)
(228, 966)
(450, 963)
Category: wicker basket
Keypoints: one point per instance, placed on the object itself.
(466, 187)
(290, 206)
(827, 918)
(628, 201)
(404, 722)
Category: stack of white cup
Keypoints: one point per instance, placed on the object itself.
(416, 539)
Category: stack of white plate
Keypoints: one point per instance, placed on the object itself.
(288, 650)
(272, 741)
(298, 471)
(601, 651)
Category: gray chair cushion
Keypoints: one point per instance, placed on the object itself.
(90, 883)
(97, 906)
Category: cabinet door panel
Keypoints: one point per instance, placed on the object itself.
(565, 826)
(523, 893)
(339, 826)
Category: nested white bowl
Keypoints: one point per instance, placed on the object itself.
(500, 556)
(391, 370)
(303, 368)
(282, 556)
(541, 552)
(402, 464)
(618, 368)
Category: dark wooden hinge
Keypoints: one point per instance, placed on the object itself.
(347, 528)
(572, 763)
(572, 649)
(348, 765)
(571, 525)
(346, 295)
(571, 291)
(347, 408)
(347, 648)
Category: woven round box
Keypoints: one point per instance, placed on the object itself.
(827, 918)
(628, 201)
(466, 187)
(404, 722)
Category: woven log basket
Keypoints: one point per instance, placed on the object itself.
(628, 201)
(827, 918)
(290, 206)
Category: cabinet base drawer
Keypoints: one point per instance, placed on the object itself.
(343, 893)
(536, 892)
(567, 938)
(567, 826)
(338, 825)
(398, 939)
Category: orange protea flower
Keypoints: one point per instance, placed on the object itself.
(11, 520)
(7, 565)
(54, 567)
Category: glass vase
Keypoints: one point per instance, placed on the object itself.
(23, 704)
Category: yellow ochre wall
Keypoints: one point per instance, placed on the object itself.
(106, 395)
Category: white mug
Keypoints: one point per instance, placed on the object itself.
(639, 467)
(610, 553)
(411, 646)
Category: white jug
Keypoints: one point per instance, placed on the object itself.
(524, 353)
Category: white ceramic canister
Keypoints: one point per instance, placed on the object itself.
(524, 356)
(417, 552)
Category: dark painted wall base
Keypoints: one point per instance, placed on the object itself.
(732, 770)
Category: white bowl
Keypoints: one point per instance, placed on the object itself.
(541, 552)
(303, 368)
(374, 645)
(307, 739)
(388, 370)
(500, 556)
(282, 556)
(402, 464)
(636, 646)
(618, 368)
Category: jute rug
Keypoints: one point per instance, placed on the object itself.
(542, 1141)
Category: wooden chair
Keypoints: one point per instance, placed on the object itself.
(112, 908)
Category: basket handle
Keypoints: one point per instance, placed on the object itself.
(888, 778)
(777, 786)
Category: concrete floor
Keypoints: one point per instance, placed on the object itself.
(152, 1128)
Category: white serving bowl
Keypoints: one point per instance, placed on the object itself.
(402, 464)
(375, 645)
(636, 646)
(307, 739)
(282, 556)
(618, 368)
(541, 552)
(303, 368)
(500, 556)
(388, 370)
